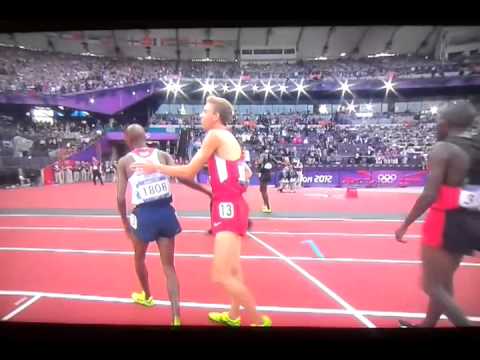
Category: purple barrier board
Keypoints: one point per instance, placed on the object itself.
(119, 136)
(320, 178)
(348, 178)
(391, 178)
(356, 178)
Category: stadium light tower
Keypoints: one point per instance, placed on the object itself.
(389, 86)
(351, 107)
(207, 87)
(301, 89)
(175, 88)
(238, 88)
(268, 89)
(345, 88)
(283, 89)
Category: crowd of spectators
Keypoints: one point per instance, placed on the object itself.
(26, 71)
(30, 139)
(315, 141)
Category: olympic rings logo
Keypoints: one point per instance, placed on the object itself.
(387, 178)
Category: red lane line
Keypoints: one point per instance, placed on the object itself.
(115, 276)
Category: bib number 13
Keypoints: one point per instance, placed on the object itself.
(226, 210)
(470, 200)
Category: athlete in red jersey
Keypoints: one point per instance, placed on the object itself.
(242, 171)
(452, 196)
(229, 210)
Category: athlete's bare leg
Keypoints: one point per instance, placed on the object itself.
(226, 256)
(166, 246)
(140, 248)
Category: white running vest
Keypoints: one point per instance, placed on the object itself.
(148, 187)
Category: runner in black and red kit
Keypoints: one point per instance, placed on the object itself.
(452, 225)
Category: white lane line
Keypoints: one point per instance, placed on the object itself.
(209, 256)
(276, 233)
(285, 218)
(21, 308)
(279, 309)
(318, 283)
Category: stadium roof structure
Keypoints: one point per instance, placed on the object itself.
(310, 42)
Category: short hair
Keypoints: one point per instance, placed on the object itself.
(459, 116)
(223, 107)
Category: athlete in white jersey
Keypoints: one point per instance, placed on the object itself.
(148, 187)
(153, 218)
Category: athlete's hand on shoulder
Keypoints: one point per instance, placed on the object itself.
(400, 233)
(147, 167)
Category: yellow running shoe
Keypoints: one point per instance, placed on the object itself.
(139, 298)
(267, 322)
(176, 322)
(266, 210)
(223, 318)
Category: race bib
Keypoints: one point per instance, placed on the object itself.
(226, 210)
(153, 188)
(470, 199)
(133, 221)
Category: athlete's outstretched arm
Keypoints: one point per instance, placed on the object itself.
(437, 164)
(121, 190)
(188, 182)
(208, 148)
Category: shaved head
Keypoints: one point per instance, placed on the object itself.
(459, 116)
(135, 135)
(455, 117)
